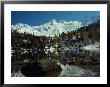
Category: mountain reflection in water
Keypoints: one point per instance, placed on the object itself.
(60, 63)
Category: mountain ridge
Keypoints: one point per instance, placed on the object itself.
(50, 28)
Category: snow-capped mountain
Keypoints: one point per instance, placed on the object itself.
(51, 28)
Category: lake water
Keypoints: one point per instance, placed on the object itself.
(63, 62)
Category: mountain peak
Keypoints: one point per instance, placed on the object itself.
(53, 21)
(51, 28)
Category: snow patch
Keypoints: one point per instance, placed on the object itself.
(17, 74)
(74, 71)
(92, 47)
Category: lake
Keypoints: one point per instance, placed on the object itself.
(62, 62)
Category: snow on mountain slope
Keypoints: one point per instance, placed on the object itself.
(51, 28)
(54, 27)
(93, 47)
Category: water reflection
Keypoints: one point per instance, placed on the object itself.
(69, 71)
(62, 62)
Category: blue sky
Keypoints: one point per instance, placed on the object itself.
(41, 17)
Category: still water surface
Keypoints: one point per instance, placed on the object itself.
(58, 63)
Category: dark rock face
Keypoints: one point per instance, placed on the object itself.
(32, 70)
